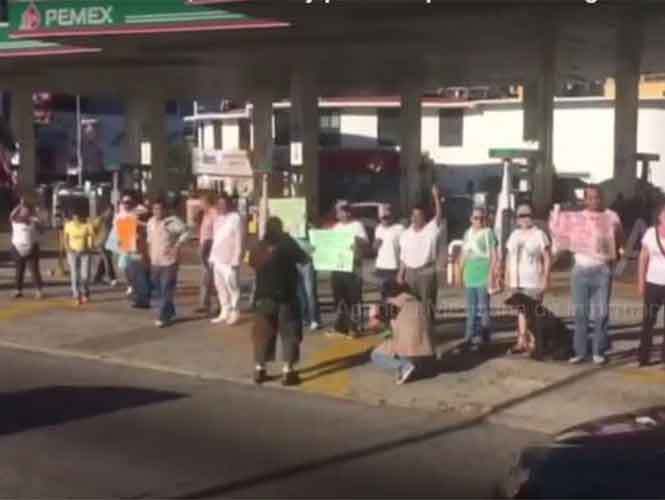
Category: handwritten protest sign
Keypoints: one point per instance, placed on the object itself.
(292, 212)
(586, 233)
(333, 249)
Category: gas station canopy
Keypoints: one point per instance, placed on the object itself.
(209, 47)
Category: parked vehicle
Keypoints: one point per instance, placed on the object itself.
(621, 456)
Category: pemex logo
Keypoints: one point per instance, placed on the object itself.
(31, 19)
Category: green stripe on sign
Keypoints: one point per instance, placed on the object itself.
(179, 18)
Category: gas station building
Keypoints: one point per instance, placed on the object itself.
(146, 53)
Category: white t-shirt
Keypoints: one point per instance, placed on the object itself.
(24, 236)
(388, 254)
(656, 268)
(419, 248)
(525, 257)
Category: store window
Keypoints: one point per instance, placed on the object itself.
(388, 127)
(330, 128)
(282, 127)
(451, 127)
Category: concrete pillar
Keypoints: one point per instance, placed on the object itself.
(305, 136)
(262, 152)
(410, 147)
(156, 134)
(134, 114)
(23, 126)
(539, 121)
(626, 104)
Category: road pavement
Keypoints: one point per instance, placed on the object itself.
(75, 428)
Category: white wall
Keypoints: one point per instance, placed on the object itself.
(230, 134)
(584, 141)
(359, 128)
(651, 139)
(583, 135)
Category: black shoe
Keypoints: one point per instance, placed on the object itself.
(290, 378)
(140, 306)
(202, 310)
(260, 377)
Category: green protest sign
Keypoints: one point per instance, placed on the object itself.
(292, 212)
(333, 249)
(96, 17)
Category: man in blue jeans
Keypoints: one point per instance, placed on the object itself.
(591, 277)
(165, 237)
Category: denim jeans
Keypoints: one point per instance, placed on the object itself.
(307, 294)
(390, 362)
(207, 276)
(137, 275)
(478, 314)
(165, 279)
(591, 296)
(79, 269)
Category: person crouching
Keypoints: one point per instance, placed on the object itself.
(411, 345)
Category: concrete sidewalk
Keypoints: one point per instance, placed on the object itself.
(527, 394)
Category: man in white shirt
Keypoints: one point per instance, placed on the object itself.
(418, 253)
(347, 287)
(386, 244)
(592, 274)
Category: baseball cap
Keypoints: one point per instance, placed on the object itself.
(523, 210)
(343, 205)
(385, 210)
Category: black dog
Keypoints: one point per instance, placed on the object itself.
(553, 339)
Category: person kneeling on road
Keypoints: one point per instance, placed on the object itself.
(411, 344)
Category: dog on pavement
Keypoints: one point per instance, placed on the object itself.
(553, 340)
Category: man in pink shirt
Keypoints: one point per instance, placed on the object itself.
(595, 237)
(166, 235)
(225, 257)
(209, 213)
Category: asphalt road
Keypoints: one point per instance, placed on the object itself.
(72, 428)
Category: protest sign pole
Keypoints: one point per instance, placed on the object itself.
(263, 206)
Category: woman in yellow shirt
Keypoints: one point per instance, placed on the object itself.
(79, 245)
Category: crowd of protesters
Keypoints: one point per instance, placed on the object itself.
(146, 241)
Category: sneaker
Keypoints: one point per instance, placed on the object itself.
(129, 291)
(576, 360)
(160, 324)
(223, 316)
(17, 294)
(314, 326)
(335, 333)
(233, 318)
(405, 375)
(260, 376)
(140, 306)
(39, 295)
(113, 283)
(290, 378)
(599, 360)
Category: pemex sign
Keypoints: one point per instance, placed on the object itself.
(43, 18)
